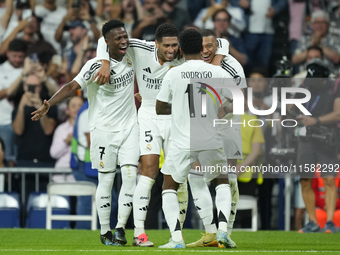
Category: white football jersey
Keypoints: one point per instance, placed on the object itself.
(149, 72)
(235, 69)
(189, 88)
(111, 106)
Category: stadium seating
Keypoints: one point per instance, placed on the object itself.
(79, 188)
(9, 210)
(249, 203)
(36, 210)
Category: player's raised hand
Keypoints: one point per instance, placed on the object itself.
(41, 111)
(103, 74)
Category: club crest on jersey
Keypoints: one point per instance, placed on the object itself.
(128, 61)
(170, 67)
(148, 147)
(237, 79)
(101, 165)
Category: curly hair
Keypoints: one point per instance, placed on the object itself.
(112, 24)
(190, 41)
(166, 30)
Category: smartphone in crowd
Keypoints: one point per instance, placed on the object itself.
(34, 57)
(31, 88)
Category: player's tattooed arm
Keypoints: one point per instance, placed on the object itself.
(163, 108)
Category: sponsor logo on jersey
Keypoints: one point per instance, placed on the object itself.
(148, 147)
(148, 70)
(128, 61)
(101, 165)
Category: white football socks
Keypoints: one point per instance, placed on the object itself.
(203, 202)
(103, 200)
(223, 204)
(141, 200)
(171, 212)
(182, 196)
(125, 200)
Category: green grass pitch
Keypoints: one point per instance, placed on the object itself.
(40, 241)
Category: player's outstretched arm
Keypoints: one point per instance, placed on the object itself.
(163, 108)
(63, 93)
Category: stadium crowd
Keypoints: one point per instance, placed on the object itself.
(44, 44)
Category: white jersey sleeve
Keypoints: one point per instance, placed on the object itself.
(102, 50)
(87, 72)
(164, 94)
(223, 47)
(235, 69)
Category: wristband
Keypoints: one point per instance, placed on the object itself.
(318, 122)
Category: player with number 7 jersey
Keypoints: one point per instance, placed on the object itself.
(152, 61)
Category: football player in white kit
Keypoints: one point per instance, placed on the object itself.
(152, 61)
(231, 136)
(194, 138)
(113, 123)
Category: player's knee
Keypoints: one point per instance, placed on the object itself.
(306, 183)
(150, 166)
(329, 182)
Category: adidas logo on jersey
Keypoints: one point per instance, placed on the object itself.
(128, 204)
(112, 72)
(237, 153)
(148, 70)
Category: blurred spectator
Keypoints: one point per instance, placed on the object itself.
(260, 30)
(61, 145)
(334, 17)
(127, 11)
(9, 72)
(31, 35)
(29, 132)
(321, 38)
(83, 13)
(51, 15)
(237, 22)
(195, 6)
(252, 139)
(33, 139)
(221, 19)
(22, 11)
(179, 17)
(297, 17)
(153, 16)
(78, 34)
(88, 51)
(6, 10)
(262, 100)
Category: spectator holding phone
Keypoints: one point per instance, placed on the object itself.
(153, 16)
(33, 138)
(29, 31)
